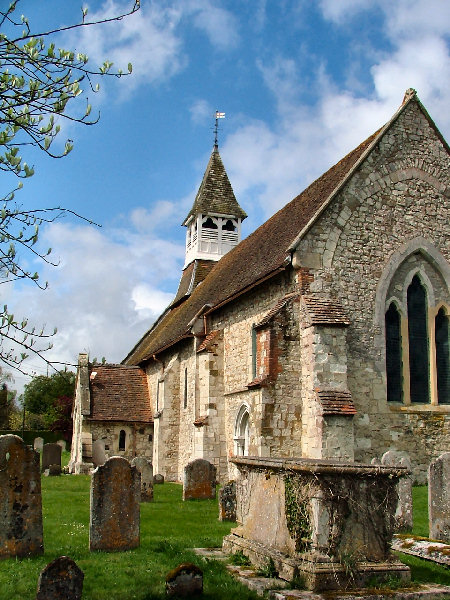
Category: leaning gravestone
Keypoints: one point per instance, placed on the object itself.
(403, 513)
(98, 453)
(51, 455)
(439, 498)
(145, 468)
(20, 499)
(115, 518)
(186, 580)
(199, 480)
(62, 579)
(38, 444)
(227, 502)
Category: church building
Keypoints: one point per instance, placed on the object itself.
(324, 333)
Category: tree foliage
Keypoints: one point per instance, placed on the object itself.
(41, 395)
(39, 86)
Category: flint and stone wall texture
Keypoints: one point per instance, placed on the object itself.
(386, 224)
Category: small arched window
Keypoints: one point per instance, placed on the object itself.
(394, 366)
(242, 432)
(442, 356)
(229, 226)
(418, 342)
(122, 438)
(209, 224)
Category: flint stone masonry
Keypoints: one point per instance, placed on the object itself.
(145, 468)
(227, 502)
(51, 455)
(61, 579)
(20, 499)
(307, 515)
(403, 513)
(38, 444)
(186, 580)
(98, 453)
(439, 498)
(199, 480)
(115, 517)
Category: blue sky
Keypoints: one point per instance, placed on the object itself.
(301, 82)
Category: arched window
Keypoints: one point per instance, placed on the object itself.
(122, 436)
(241, 432)
(442, 356)
(229, 226)
(209, 224)
(418, 342)
(394, 365)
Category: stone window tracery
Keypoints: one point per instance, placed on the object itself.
(242, 432)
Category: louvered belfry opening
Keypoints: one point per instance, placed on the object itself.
(418, 342)
(394, 354)
(442, 357)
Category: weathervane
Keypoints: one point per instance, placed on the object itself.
(219, 115)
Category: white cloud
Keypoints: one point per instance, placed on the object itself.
(200, 110)
(219, 25)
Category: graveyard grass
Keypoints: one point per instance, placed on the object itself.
(170, 528)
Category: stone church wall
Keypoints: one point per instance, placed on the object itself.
(138, 438)
(398, 199)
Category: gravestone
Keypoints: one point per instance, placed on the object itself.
(62, 443)
(51, 455)
(4, 407)
(145, 468)
(98, 453)
(199, 480)
(20, 499)
(439, 498)
(114, 521)
(38, 444)
(52, 471)
(403, 513)
(62, 579)
(158, 479)
(186, 580)
(227, 502)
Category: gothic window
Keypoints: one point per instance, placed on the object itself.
(442, 356)
(418, 342)
(394, 354)
(229, 226)
(185, 391)
(122, 436)
(241, 432)
(209, 224)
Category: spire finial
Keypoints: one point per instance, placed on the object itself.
(219, 115)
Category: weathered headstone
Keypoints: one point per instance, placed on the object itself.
(98, 453)
(62, 579)
(227, 502)
(38, 444)
(185, 580)
(199, 480)
(115, 518)
(51, 455)
(4, 407)
(158, 479)
(403, 513)
(439, 498)
(145, 468)
(62, 443)
(20, 499)
(52, 471)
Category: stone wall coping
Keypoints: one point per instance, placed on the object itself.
(315, 465)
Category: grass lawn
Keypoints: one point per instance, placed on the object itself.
(169, 529)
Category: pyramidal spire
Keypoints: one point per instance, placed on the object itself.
(214, 221)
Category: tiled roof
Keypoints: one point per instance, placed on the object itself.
(119, 393)
(261, 255)
(336, 403)
(276, 309)
(208, 342)
(324, 312)
(192, 275)
(215, 194)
